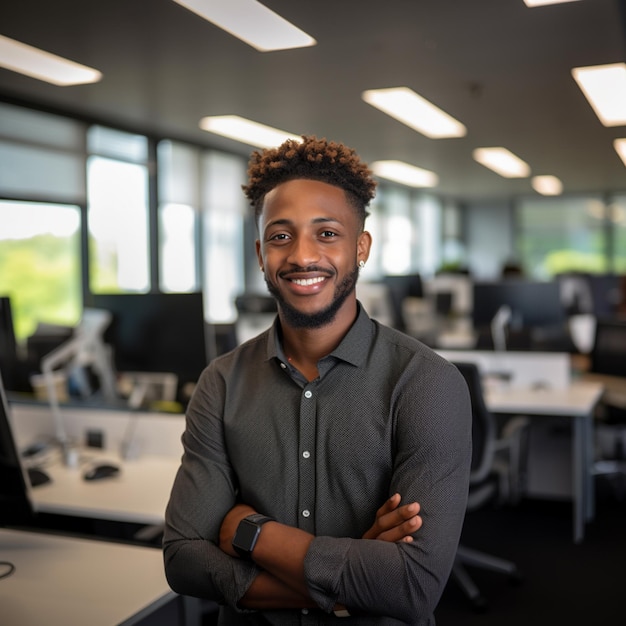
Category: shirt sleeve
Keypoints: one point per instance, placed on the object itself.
(431, 465)
(194, 564)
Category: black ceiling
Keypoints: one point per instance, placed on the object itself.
(499, 67)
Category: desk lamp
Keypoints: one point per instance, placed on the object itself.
(498, 327)
(86, 347)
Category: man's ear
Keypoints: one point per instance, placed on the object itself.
(363, 246)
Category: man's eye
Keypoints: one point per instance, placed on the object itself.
(329, 233)
(278, 236)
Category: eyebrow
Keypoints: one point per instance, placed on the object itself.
(287, 222)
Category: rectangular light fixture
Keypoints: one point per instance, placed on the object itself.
(620, 147)
(404, 173)
(246, 131)
(604, 87)
(251, 22)
(547, 185)
(416, 112)
(24, 59)
(540, 3)
(502, 162)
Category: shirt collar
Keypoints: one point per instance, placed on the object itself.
(353, 348)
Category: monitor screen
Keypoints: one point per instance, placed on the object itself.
(156, 333)
(401, 286)
(609, 349)
(533, 304)
(15, 504)
(8, 345)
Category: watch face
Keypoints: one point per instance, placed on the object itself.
(246, 535)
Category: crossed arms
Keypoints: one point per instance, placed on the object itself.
(281, 550)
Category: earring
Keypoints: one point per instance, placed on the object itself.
(261, 267)
(361, 264)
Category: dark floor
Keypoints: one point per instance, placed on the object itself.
(564, 583)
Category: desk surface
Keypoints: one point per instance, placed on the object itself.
(139, 493)
(59, 581)
(579, 399)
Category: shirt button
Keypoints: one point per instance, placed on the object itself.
(305, 611)
(283, 366)
(306, 454)
(306, 513)
(308, 394)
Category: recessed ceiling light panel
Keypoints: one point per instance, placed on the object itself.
(502, 161)
(604, 87)
(404, 105)
(540, 3)
(620, 147)
(246, 131)
(24, 59)
(404, 173)
(547, 185)
(251, 22)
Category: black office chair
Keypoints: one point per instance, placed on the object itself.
(483, 490)
(608, 357)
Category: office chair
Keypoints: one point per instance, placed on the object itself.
(608, 357)
(483, 490)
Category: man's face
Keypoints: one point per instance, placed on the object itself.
(309, 248)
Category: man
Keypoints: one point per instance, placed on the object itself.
(326, 462)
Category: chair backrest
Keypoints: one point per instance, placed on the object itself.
(608, 355)
(483, 426)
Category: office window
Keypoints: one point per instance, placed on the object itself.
(41, 155)
(397, 230)
(618, 221)
(373, 268)
(117, 201)
(426, 241)
(179, 187)
(223, 212)
(406, 229)
(452, 251)
(40, 263)
(562, 234)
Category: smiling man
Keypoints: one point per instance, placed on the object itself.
(326, 461)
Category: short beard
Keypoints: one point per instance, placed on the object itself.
(298, 319)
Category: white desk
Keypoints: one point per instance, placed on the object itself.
(540, 384)
(138, 494)
(578, 402)
(61, 581)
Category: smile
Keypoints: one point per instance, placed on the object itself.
(308, 281)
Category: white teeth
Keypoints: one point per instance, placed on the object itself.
(308, 281)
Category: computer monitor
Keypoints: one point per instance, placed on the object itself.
(8, 344)
(605, 293)
(608, 355)
(16, 506)
(533, 304)
(401, 286)
(156, 332)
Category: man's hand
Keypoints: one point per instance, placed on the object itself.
(229, 526)
(394, 522)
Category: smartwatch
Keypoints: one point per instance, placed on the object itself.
(248, 533)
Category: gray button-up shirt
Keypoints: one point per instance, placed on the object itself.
(385, 415)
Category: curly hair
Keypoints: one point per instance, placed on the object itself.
(313, 159)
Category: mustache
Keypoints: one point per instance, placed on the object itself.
(305, 270)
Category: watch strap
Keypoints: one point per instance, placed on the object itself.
(258, 518)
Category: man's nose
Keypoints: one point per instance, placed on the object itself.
(304, 251)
